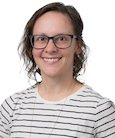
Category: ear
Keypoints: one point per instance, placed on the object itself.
(78, 47)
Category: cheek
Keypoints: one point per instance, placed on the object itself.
(70, 56)
(36, 53)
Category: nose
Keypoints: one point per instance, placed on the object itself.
(51, 48)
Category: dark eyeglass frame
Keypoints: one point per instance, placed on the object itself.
(53, 39)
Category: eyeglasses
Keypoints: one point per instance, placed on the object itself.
(61, 41)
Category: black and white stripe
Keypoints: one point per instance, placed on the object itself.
(85, 114)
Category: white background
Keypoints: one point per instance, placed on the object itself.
(99, 34)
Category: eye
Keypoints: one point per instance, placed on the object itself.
(61, 38)
(40, 39)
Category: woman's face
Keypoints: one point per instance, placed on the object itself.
(52, 61)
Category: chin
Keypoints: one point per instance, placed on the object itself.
(51, 73)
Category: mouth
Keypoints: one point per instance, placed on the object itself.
(52, 59)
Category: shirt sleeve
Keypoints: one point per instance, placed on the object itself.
(6, 111)
(105, 119)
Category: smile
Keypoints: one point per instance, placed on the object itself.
(51, 60)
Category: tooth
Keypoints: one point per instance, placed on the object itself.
(51, 59)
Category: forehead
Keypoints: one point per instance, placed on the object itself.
(53, 22)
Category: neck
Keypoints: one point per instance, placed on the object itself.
(57, 88)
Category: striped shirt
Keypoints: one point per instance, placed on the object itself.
(84, 114)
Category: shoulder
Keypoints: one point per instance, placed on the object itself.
(103, 108)
(88, 95)
(103, 105)
(23, 94)
(17, 98)
(12, 105)
(104, 112)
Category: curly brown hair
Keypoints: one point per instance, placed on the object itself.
(25, 48)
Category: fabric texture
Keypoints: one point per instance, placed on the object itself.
(84, 114)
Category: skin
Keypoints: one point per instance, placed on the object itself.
(56, 65)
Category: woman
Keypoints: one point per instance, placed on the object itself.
(59, 106)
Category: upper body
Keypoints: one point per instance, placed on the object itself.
(53, 47)
(83, 114)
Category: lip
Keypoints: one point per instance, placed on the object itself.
(51, 60)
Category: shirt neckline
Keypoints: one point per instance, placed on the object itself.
(42, 100)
